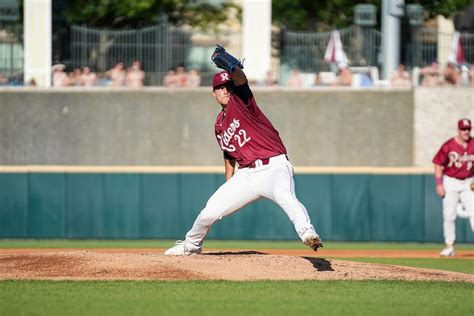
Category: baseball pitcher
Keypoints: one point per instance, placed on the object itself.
(247, 138)
(454, 174)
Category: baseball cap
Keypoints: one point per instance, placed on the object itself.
(220, 78)
(464, 123)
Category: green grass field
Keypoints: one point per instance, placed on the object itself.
(242, 298)
(224, 244)
(236, 298)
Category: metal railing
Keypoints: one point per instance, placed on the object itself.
(164, 46)
(305, 50)
(158, 48)
(467, 40)
(11, 51)
(426, 46)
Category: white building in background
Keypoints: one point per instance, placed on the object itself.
(257, 37)
(37, 41)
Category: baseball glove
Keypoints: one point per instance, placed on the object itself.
(472, 186)
(224, 60)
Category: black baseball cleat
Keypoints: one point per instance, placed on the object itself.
(314, 242)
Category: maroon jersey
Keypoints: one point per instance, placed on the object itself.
(244, 132)
(458, 161)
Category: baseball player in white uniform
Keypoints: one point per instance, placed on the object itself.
(454, 174)
(248, 138)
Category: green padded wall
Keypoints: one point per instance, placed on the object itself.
(395, 207)
(84, 200)
(13, 205)
(160, 205)
(358, 207)
(46, 205)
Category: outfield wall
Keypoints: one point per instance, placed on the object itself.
(103, 129)
(355, 205)
(158, 126)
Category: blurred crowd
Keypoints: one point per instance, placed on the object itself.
(118, 76)
(179, 78)
(429, 76)
(433, 75)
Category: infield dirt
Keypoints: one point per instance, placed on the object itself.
(147, 264)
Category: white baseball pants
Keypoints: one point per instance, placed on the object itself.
(455, 190)
(273, 181)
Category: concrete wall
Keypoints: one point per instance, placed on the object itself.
(437, 111)
(157, 126)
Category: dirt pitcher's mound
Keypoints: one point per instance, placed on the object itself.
(245, 265)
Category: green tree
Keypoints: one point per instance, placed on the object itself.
(447, 8)
(291, 14)
(323, 15)
(315, 15)
(126, 13)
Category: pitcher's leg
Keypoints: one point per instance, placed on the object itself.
(230, 197)
(280, 187)
(450, 202)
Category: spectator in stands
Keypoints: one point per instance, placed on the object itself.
(3, 80)
(181, 77)
(325, 78)
(118, 75)
(88, 78)
(401, 77)
(32, 83)
(365, 80)
(60, 78)
(70, 79)
(431, 75)
(16, 80)
(295, 80)
(193, 78)
(135, 75)
(345, 76)
(170, 79)
(75, 77)
(103, 80)
(451, 75)
(270, 79)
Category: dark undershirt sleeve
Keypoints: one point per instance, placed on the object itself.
(243, 92)
(228, 156)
